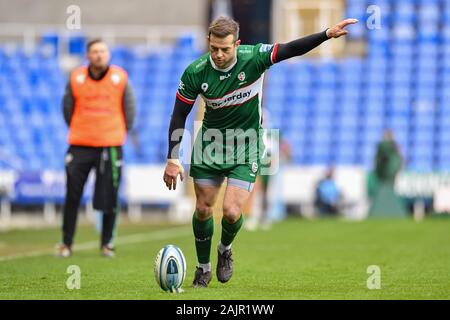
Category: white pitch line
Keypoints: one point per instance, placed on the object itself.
(121, 240)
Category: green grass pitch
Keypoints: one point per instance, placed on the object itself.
(297, 259)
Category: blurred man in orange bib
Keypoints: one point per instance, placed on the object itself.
(99, 108)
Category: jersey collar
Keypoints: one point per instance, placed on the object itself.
(222, 70)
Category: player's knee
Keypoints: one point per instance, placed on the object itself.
(231, 212)
(203, 210)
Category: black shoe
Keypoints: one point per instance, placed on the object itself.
(201, 279)
(108, 251)
(224, 268)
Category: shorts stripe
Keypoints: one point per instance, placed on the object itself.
(217, 182)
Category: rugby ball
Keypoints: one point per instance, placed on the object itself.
(170, 268)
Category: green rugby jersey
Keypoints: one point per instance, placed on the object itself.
(232, 96)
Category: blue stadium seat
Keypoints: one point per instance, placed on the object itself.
(424, 120)
(444, 137)
(334, 108)
(322, 124)
(347, 135)
(345, 154)
(349, 119)
(378, 36)
(399, 119)
(51, 40)
(372, 133)
(421, 164)
(77, 44)
(403, 30)
(378, 51)
(296, 122)
(296, 139)
(319, 154)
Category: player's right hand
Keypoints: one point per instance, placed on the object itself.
(173, 169)
(339, 29)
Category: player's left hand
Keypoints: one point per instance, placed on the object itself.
(339, 29)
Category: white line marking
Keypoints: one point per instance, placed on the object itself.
(121, 240)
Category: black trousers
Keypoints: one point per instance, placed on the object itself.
(107, 162)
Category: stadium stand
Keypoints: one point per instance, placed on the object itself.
(333, 111)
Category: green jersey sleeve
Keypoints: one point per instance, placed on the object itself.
(264, 55)
(187, 89)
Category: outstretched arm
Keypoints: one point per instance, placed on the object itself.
(303, 45)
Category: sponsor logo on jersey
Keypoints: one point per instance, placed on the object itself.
(181, 86)
(115, 78)
(236, 97)
(241, 76)
(254, 167)
(80, 78)
(204, 86)
(265, 47)
(224, 77)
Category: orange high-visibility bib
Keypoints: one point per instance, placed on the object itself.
(98, 119)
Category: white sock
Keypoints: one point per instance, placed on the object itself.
(223, 248)
(205, 266)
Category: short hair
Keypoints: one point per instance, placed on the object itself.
(92, 42)
(223, 27)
